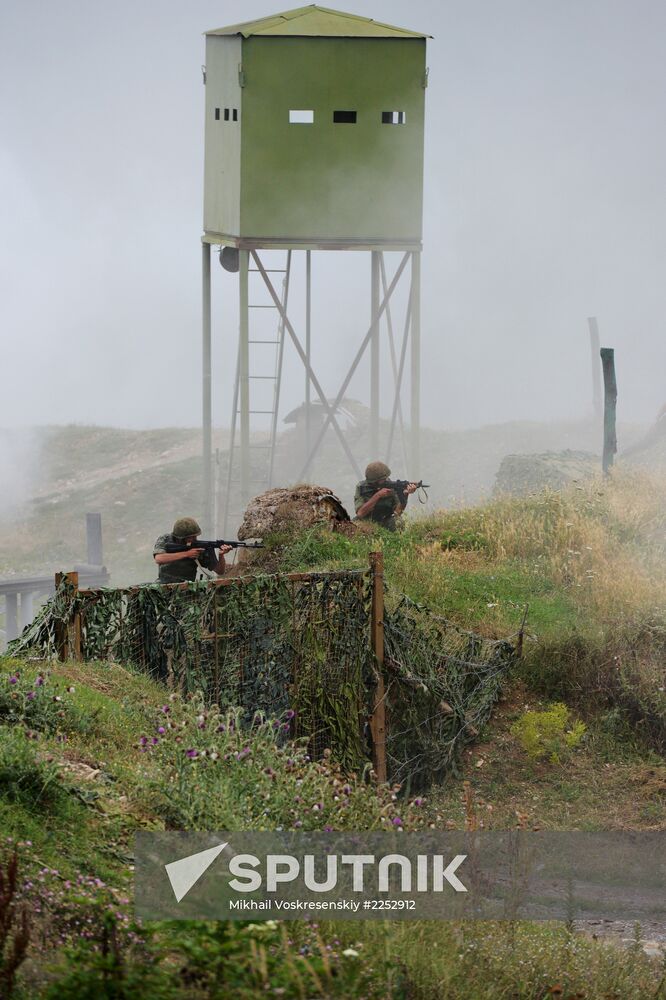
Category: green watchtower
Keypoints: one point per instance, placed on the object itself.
(313, 141)
(314, 132)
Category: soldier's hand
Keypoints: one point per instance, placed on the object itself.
(224, 549)
(411, 488)
(386, 491)
(192, 553)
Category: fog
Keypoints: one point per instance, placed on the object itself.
(544, 204)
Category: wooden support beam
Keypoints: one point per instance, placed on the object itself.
(378, 717)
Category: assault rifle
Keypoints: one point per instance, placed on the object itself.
(400, 485)
(201, 544)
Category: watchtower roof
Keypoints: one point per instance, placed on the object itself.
(317, 22)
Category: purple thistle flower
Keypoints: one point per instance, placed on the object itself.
(143, 741)
(221, 728)
(154, 741)
(289, 714)
(419, 802)
(40, 681)
(328, 829)
(192, 754)
(299, 822)
(397, 821)
(13, 679)
(30, 695)
(161, 730)
(165, 709)
(347, 789)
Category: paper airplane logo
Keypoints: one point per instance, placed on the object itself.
(185, 873)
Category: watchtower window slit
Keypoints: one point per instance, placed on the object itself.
(394, 118)
(301, 117)
(344, 117)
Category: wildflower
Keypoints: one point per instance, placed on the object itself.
(40, 681)
(298, 822)
(143, 741)
(154, 741)
(397, 821)
(13, 679)
(317, 807)
(419, 802)
(289, 714)
(71, 689)
(161, 730)
(30, 695)
(165, 709)
(214, 755)
(191, 754)
(221, 728)
(350, 953)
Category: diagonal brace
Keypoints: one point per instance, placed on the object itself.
(330, 411)
(350, 374)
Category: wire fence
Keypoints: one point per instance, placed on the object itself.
(300, 644)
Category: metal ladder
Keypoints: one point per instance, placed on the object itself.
(265, 480)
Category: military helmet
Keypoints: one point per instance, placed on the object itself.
(376, 471)
(185, 526)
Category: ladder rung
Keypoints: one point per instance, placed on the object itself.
(250, 306)
(262, 377)
(268, 270)
(275, 342)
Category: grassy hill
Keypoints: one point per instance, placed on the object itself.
(79, 775)
(141, 481)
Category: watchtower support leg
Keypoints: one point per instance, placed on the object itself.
(308, 348)
(415, 418)
(244, 366)
(207, 511)
(374, 355)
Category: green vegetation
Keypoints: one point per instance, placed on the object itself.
(548, 733)
(78, 776)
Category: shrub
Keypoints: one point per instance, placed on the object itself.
(216, 773)
(24, 778)
(548, 733)
(34, 700)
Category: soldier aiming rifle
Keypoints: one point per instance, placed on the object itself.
(381, 499)
(181, 552)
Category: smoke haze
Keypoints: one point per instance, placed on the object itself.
(544, 204)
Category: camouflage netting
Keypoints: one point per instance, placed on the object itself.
(300, 645)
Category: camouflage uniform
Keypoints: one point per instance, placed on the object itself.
(385, 511)
(181, 570)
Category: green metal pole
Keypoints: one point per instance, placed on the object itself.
(415, 430)
(207, 510)
(244, 372)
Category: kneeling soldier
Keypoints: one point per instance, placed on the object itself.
(376, 498)
(180, 567)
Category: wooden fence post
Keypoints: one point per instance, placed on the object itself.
(63, 646)
(610, 400)
(378, 717)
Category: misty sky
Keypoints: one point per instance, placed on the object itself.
(545, 203)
